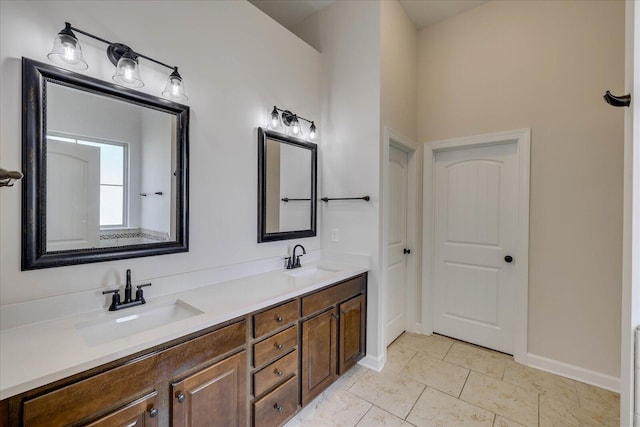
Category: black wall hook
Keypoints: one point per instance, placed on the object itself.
(617, 101)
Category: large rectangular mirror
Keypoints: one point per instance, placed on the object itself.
(105, 170)
(287, 174)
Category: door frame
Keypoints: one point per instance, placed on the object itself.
(631, 222)
(522, 139)
(399, 141)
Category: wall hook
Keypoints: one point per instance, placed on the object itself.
(8, 178)
(617, 101)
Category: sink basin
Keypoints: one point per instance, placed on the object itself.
(127, 322)
(314, 272)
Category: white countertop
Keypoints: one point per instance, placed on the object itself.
(34, 355)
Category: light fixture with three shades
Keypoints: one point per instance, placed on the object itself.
(67, 53)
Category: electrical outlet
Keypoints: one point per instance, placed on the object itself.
(335, 235)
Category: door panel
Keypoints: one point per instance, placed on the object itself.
(319, 354)
(475, 228)
(214, 396)
(73, 196)
(396, 243)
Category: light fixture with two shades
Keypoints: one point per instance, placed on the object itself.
(67, 53)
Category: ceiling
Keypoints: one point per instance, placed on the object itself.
(423, 13)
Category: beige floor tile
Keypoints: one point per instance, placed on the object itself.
(397, 357)
(392, 392)
(349, 378)
(504, 399)
(433, 345)
(597, 399)
(335, 408)
(376, 417)
(476, 359)
(505, 422)
(436, 373)
(555, 386)
(437, 409)
(556, 413)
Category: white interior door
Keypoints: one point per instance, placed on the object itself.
(397, 244)
(475, 233)
(73, 196)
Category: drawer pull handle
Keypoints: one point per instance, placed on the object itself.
(278, 408)
(279, 346)
(181, 397)
(153, 412)
(279, 373)
(279, 319)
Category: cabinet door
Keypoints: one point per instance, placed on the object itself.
(352, 333)
(214, 396)
(319, 351)
(141, 413)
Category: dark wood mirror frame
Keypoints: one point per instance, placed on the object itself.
(35, 75)
(263, 235)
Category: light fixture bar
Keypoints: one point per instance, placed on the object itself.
(111, 43)
(67, 52)
(297, 116)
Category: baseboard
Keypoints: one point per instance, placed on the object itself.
(571, 371)
(417, 328)
(374, 363)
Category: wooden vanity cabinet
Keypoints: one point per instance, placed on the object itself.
(333, 340)
(136, 391)
(258, 370)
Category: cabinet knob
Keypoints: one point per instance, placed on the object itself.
(279, 319)
(279, 372)
(181, 397)
(278, 408)
(153, 412)
(279, 346)
(335, 316)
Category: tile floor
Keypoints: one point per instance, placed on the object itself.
(437, 381)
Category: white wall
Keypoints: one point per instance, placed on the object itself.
(236, 64)
(399, 112)
(546, 65)
(156, 168)
(347, 33)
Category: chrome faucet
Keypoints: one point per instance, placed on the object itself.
(128, 302)
(294, 261)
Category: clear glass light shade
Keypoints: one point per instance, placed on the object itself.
(67, 52)
(295, 126)
(312, 131)
(128, 72)
(174, 89)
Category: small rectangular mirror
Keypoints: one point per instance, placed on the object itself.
(287, 174)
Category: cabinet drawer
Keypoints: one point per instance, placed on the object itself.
(333, 295)
(272, 374)
(277, 345)
(277, 317)
(276, 407)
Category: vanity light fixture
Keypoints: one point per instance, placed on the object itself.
(291, 121)
(67, 52)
